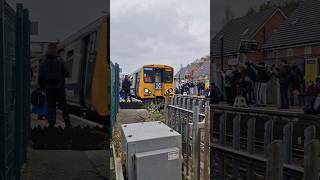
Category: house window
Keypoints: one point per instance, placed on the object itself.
(308, 50)
(275, 54)
(290, 52)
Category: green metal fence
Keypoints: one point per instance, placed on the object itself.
(114, 92)
(14, 89)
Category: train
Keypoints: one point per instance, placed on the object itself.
(153, 81)
(87, 58)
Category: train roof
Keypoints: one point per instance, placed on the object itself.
(157, 65)
(84, 31)
(151, 65)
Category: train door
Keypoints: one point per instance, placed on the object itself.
(89, 66)
(311, 69)
(85, 46)
(136, 87)
(158, 82)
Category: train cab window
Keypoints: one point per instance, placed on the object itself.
(158, 77)
(167, 76)
(148, 75)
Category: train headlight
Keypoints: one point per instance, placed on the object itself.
(169, 91)
(147, 91)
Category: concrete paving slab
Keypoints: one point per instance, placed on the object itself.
(65, 165)
(127, 116)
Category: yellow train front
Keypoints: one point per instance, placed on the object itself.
(152, 81)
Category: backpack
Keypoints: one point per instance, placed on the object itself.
(265, 75)
(37, 99)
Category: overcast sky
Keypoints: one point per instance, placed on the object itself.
(60, 18)
(172, 32)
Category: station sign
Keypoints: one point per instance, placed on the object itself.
(248, 46)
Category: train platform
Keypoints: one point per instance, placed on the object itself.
(65, 164)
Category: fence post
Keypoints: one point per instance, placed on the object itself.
(275, 161)
(194, 104)
(2, 96)
(311, 160)
(201, 106)
(171, 100)
(251, 137)
(222, 142)
(175, 99)
(178, 101)
(236, 144)
(206, 142)
(166, 108)
(309, 134)
(222, 129)
(287, 142)
(188, 103)
(183, 102)
(196, 144)
(268, 135)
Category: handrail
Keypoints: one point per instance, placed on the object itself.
(263, 111)
(186, 110)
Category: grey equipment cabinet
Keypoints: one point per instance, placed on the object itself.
(152, 151)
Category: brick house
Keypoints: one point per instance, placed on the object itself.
(298, 40)
(255, 27)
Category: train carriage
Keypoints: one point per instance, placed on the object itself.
(86, 55)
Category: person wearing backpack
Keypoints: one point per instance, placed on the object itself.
(263, 77)
(52, 74)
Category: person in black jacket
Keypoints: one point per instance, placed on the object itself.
(296, 84)
(263, 77)
(126, 84)
(283, 74)
(52, 74)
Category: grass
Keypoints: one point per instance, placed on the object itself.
(155, 112)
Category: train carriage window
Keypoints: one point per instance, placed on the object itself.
(167, 76)
(148, 75)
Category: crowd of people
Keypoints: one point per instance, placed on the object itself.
(250, 81)
(189, 87)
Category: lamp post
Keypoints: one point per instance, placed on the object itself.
(221, 59)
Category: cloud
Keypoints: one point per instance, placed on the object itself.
(169, 32)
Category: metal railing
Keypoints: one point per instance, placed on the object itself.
(14, 89)
(188, 116)
(247, 143)
(114, 95)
